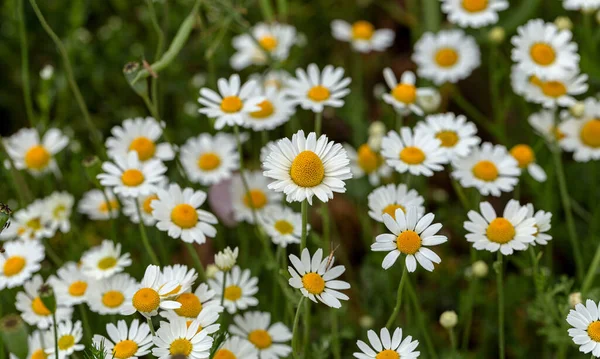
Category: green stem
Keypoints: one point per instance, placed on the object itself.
(591, 273)
(197, 261)
(475, 114)
(295, 333)
(20, 185)
(282, 8)
(25, 64)
(394, 315)
(145, 240)
(306, 327)
(452, 339)
(86, 323)
(499, 282)
(326, 224)
(55, 258)
(318, 123)
(460, 193)
(223, 288)
(335, 335)
(431, 10)
(267, 10)
(113, 224)
(399, 121)
(55, 329)
(412, 294)
(304, 210)
(149, 320)
(159, 46)
(535, 269)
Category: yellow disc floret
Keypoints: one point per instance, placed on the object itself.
(190, 305)
(388, 354)
(523, 154)
(405, 93)
(146, 300)
(318, 93)
(260, 338)
(113, 298)
(362, 30)
(13, 265)
(268, 43)
(542, 54)
(132, 177)
(37, 157)
(590, 133)
(391, 209)
(231, 104)
(368, 159)
(184, 216)
(266, 110)
(448, 138)
(593, 331)
(256, 199)
(485, 171)
(412, 155)
(408, 242)
(39, 308)
(209, 161)
(125, 349)
(78, 288)
(500, 230)
(144, 147)
(474, 5)
(307, 169)
(66, 341)
(233, 293)
(313, 283)
(284, 227)
(446, 57)
(181, 346)
(107, 263)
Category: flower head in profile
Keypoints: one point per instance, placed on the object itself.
(362, 35)
(545, 124)
(105, 260)
(314, 89)
(542, 225)
(365, 161)
(582, 135)
(275, 110)
(140, 135)
(59, 206)
(226, 259)
(404, 95)
(240, 289)
(387, 346)
(282, 224)
(389, 198)
(526, 158)
(99, 205)
(473, 13)
(247, 204)
(457, 135)
(33, 154)
(272, 40)
(70, 284)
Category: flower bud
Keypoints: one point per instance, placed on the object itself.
(14, 335)
(225, 260)
(430, 103)
(374, 143)
(497, 35)
(366, 321)
(448, 319)
(377, 128)
(47, 72)
(47, 297)
(577, 110)
(563, 23)
(574, 299)
(211, 271)
(378, 90)
(480, 269)
(5, 213)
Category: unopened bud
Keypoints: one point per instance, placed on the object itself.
(378, 90)
(448, 319)
(480, 269)
(497, 35)
(430, 103)
(14, 335)
(574, 299)
(212, 270)
(374, 143)
(577, 109)
(47, 297)
(225, 260)
(366, 321)
(47, 72)
(5, 213)
(377, 128)
(563, 23)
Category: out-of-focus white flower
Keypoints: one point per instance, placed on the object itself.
(577, 109)
(479, 269)
(497, 35)
(47, 72)
(226, 259)
(563, 23)
(574, 299)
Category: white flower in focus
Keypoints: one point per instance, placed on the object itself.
(404, 95)
(130, 177)
(387, 346)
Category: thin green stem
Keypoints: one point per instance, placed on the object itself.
(399, 121)
(295, 333)
(282, 9)
(86, 323)
(223, 288)
(267, 10)
(318, 123)
(197, 262)
(500, 284)
(145, 240)
(460, 193)
(113, 224)
(149, 320)
(452, 339)
(25, 65)
(159, 47)
(591, 273)
(432, 16)
(54, 257)
(535, 270)
(306, 334)
(55, 329)
(394, 315)
(326, 224)
(335, 335)
(304, 211)
(412, 294)
(475, 114)
(19, 183)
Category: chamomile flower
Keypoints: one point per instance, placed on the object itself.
(140, 135)
(411, 235)
(273, 39)
(418, 153)
(59, 206)
(207, 319)
(526, 158)
(366, 162)
(256, 199)
(240, 289)
(512, 231)
(388, 198)
(177, 338)
(473, 13)
(549, 93)
(30, 153)
(181, 275)
(306, 166)
(490, 169)
(150, 295)
(582, 135)
(209, 159)
(130, 209)
(387, 346)
(19, 261)
(448, 56)
(275, 110)
(362, 35)
(202, 304)
(404, 95)
(275, 78)
(282, 224)
(69, 340)
(177, 212)
(94, 205)
(233, 104)
(236, 348)
(31, 222)
(123, 342)
(269, 339)
(130, 177)
(108, 296)
(457, 135)
(544, 123)
(36, 346)
(541, 49)
(585, 330)
(33, 311)
(314, 89)
(581, 5)
(542, 225)
(70, 284)
(105, 260)
(316, 278)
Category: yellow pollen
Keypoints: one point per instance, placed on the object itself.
(391, 209)
(209, 161)
(523, 154)
(231, 104)
(13, 265)
(37, 158)
(78, 288)
(125, 349)
(485, 171)
(113, 299)
(39, 354)
(39, 308)
(256, 198)
(362, 30)
(554, 89)
(184, 216)
(448, 138)
(146, 205)
(144, 147)
(34, 223)
(59, 211)
(114, 205)
(388, 354)
(368, 159)
(224, 354)
(307, 169)
(260, 338)
(593, 331)
(66, 341)
(405, 93)
(146, 300)
(446, 57)
(233, 293)
(500, 230)
(266, 110)
(132, 178)
(313, 283)
(474, 5)
(181, 346)
(542, 54)
(268, 43)
(284, 227)
(412, 155)
(408, 242)
(107, 263)
(318, 93)
(590, 133)
(190, 305)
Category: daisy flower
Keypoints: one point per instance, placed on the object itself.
(388, 198)
(282, 224)
(93, 204)
(236, 348)
(255, 200)
(541, 49)
(526, 159)
(239, 291)
(473, 13)
(542, 225)
(448, 56)
(275, 110)
(176, 338)
(70, 284)
(36, 346)
(274, 78)
(512, 231)
(544, 123)
(30, 223)
(130, 209)
(19, 261)
(207, 317)
(269, 339)
(123, 342)
(316, 278)
(130, 177)
(581, 5)
(362, 35)
(585, 330)
(549, 93)
(105, 260)
(418, 153)
(404, 95)
(179, 274)
(59, 206)
(457, 135)
(150, 295)
(367, 162)
(33, 155)
(194, 304)
(33, 311)
(209, 159)
(387, 346)
(582, 135)
(266, 40)
(69, 340)
(490, 169)
(411, 235)
(108, 296)
(140, 135)
(314, 89)
(232, 104)
(306, 166)
(177, 212)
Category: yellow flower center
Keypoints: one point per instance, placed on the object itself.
(313, 283)
(37, 157)
(184, 216)
(268, 43)
(500, 230)
(190, 305)
(13, 266)
(125, 349)
(146, 205)
(146, 300)
(590, 133)
(523, 154)
(144, 147)
(107, 263)
(284, 227)
(39, 354)
(113, 299)
(34, 223)
(255, 199)
(266, 110)
(39, 308)
(408, 242)
(231, 104)
(405, 93)
(474, 5)
(224, 354)
(59, 211)
(307, 169)
(368, 159)
(448, 138)
(66, 341)
(181, 346)
(554, 89)
(593, 331)
(78, 288)
(534, 80)
(132, 177)
(209, 161)
(542, 54)
(558, 135)
(412, 155)
(485, 171)
(446, 57)
(233, 293)
(362, 30)
(388, 354)
(260, 338)
(114, 205)
(318, 93)
(391, 209)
